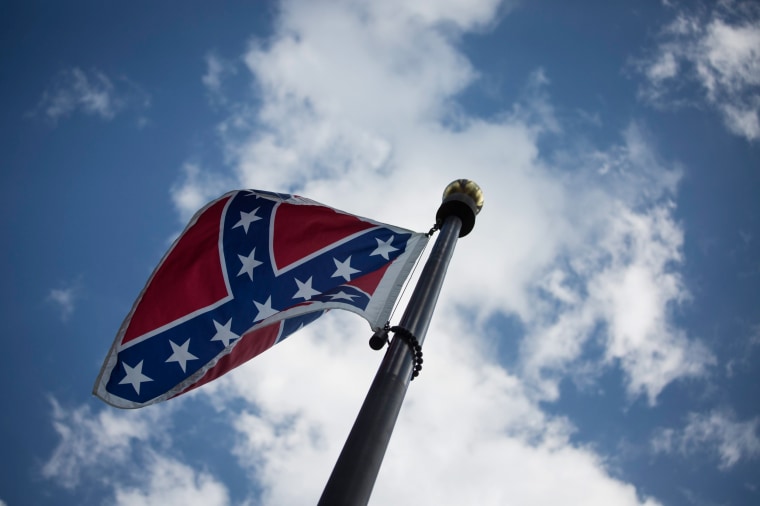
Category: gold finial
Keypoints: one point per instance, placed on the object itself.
(466, 187)
(464, 199)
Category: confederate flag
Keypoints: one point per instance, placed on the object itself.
(250, 269)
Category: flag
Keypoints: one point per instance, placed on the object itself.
(251, 268)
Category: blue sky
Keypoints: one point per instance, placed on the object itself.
(598, 335)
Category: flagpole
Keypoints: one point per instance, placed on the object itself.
(356, 469)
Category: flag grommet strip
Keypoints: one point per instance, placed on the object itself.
(414, 345)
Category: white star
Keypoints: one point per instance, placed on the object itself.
(265, 310)
(246, 219)
(134, 376)
(305, 291)
(383, 248)
(342, 295)
(181, 354)
(249, 263)
(224, 333)
(344, 269)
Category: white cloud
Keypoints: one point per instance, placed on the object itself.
(719, 51)
(663, 68)
(717, 432)
(217, 70)
(195, 190)
(89, 441)
(325, 139)
(91, 92)
(615, 281)
(212, 79)
(743, 358)
(172, 483)
(468, 431)
(117, 449)
(624, 282)
(65, 298)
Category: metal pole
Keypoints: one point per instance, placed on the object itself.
(355, 472)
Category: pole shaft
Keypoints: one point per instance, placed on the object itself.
(356, 470)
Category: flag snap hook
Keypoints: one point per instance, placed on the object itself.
(379, 339)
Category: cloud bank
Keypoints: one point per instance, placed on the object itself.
(359, 109)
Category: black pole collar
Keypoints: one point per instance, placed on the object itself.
(461, 206)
